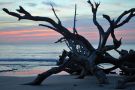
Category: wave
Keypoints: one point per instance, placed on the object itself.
(28, 59)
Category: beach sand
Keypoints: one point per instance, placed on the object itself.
(58, 82)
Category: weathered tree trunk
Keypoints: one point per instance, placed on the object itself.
(41, 77)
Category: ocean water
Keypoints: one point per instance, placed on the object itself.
(34, 59)
(40, 52)
(47, 51)
(25, 59)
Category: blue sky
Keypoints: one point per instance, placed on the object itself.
(28, 32)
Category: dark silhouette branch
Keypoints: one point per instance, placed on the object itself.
(74, 27)
(94, 11)
(59, 22)
(94, 8)
(48, 27)
(29, 16)
(108, 19)
(113, 25)
(131, 13)
(60, 40)
(116, 43)
(62, 30)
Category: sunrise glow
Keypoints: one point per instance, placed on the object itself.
(25, 31)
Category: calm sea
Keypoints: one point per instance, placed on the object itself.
(40, 52)
(29, 52)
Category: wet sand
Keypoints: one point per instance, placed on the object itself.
(59, 82)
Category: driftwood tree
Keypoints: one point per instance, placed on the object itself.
(82, 57)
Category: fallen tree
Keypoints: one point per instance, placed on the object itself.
(83, 58)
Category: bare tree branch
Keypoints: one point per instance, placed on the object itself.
(107, 18)
(116, 24)
(130, 14)
(100, 29)
(94, 10)
(12, 13)
(48, 26)
(74, 29)
(116, 43)
(59, 22)
(62, 30)
(29, 16)
(60, 40)
(22, 10)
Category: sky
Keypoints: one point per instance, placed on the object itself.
(13, 31)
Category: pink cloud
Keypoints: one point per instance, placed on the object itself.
(41, 35)
(32, 35)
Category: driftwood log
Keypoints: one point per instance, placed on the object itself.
(82, 57)
(127, 65)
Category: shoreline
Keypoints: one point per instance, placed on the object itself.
(27, 71)
(28, 68)
(6, 66)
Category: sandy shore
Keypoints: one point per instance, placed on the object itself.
(58, 82)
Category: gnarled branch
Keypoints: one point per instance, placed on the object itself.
(59, 28)
(131, 14)
(94, 8)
